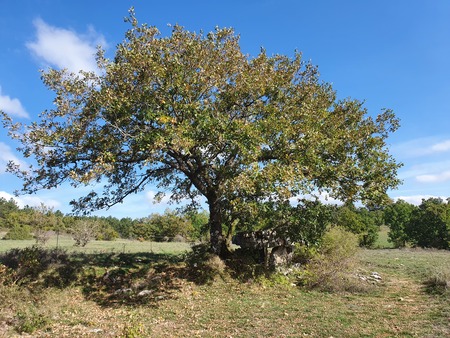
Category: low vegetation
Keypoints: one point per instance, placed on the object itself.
(115, 282)
(126, 293)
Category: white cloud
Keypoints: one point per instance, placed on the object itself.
(35, 201)
(32, 201)
(63, 48)
(7, 196)
(424, 168)
(12, 106)
(151, 197)
(420, 147)
(435, 178)
(6, 155)
(440, 147)
(416, 199)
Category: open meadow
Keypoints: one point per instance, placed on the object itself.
(141, 289)
(66, 243)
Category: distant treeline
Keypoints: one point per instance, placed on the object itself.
(40, 222)
(426, 225)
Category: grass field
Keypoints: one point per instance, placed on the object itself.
(131, 246)
(152, 293)
(117, 246)
(382, 242)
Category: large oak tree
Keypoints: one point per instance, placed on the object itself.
(193, 114)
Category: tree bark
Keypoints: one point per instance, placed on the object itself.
(217, 239)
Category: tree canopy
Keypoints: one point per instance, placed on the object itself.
(194, 115)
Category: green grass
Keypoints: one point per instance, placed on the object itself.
(409, 262)
(383, 238)
(120, 245)
(180, 304)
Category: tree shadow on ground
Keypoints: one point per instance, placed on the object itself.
(115, 279)
(110, 279)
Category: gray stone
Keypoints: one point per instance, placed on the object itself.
(145, 293)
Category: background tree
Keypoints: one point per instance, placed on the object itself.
(42, 220)
(199, 224)
(60, 225)
(123, 226)
(6, 207)
(18, 224)
(141, 230)
(84, 230)
(167, 226)
(359, 221)
(305, 222)
(196, 116)
(371, 227)
(429, 225)
(397, 216)
(115, 225)
(105, 231)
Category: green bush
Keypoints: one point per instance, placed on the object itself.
(19, 233)
(107, 234)
(30, 320)
(163, 228)
(338, 244)
(330, 267)
(303, 254)
(361, 222)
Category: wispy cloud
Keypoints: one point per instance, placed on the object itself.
(434, 178)
(7, 155)
(12, 106)
(63, 48)
(440, 147)
(421, 147)
(416, 199)
(424, 168)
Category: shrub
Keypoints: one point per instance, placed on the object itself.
(203, 266)
(5, 275)
(438, 281)
(338, 244)
(304, 253)
(30, 320)
(41, 236)
(329, 269)
(107, 234)
(19, 233)
(28, 264)
(179, 239)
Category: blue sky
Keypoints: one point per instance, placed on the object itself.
(392, 54)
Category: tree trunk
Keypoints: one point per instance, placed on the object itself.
(217, 239)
